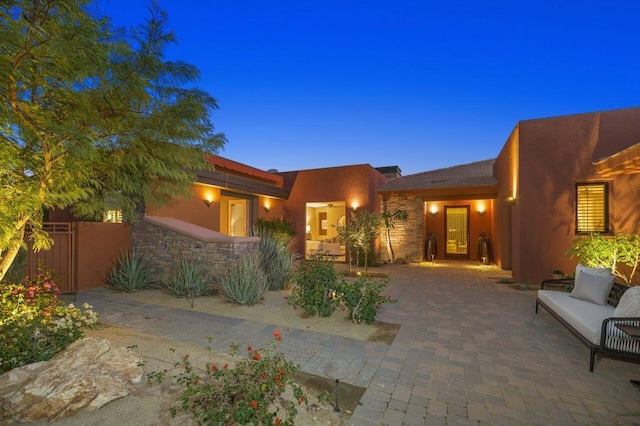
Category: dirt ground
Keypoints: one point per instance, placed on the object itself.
(149, 405)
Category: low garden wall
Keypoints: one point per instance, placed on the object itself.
(165, 242)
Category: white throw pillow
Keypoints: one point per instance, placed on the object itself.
(593, 271)
(629, 305)
(592, 288)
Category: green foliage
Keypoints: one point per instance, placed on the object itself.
(362, 298)
(35, 325)
(278, 229)
(276, 262)
(319, 291)
(315, 282)
(92, 116)
(359, 234)
(620, 252)
(188, 281)
(130, 272)
(245, 283)
(242, 394)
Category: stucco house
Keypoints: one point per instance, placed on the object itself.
(228, 201)
(454, 205)
(322, 199)
(555, 179)
(566, 176)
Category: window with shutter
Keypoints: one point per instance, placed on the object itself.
(592, 209)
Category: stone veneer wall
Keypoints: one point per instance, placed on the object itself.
(165, 249)
(407, 238)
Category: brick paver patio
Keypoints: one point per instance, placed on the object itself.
(469, 351)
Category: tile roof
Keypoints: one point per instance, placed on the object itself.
(243, 169)
(479, 173)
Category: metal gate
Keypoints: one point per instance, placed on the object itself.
(58, 260)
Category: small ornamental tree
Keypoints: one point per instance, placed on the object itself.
(92, 115)
(620, 252)
(365, 231)
(346, 236)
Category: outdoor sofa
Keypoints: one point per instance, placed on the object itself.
(592, 311)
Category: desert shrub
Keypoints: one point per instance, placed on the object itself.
(130, 272)
(278, 229)
(242, 394)
(35, 325)
(276, 262)
(245, 283)
(620, 252)
(188, 281)
(362, 298)
(315, 282)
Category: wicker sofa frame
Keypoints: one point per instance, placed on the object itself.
(625, 349)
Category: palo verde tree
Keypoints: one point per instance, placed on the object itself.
(365, 230)
(90, 115)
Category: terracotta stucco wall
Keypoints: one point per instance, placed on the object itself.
(193, 209)
(97, 245)
(355, 184)
(554, 154)
(506, 172)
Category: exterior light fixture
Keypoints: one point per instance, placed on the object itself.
(267, 208)
(208, 202)
(481, 208)
(511, 200)
(354, 205)
(433, 210)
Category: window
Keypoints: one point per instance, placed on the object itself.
(592, 209)
(112, 216)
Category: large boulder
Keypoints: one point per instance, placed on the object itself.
(88, 374)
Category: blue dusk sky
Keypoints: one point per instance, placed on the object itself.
(418, 84)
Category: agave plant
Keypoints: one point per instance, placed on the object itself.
(130, 272)
(245, 283)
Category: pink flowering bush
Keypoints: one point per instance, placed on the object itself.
(35, 325)
(244, 393)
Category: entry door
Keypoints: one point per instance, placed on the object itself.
(457, 232)
(238, 218)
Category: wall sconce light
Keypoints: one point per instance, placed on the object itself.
(354, 205)
(511, 200)
(481, 212)
(433, 210)
(208, 202)
(267, 208)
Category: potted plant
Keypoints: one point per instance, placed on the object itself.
(558, 274)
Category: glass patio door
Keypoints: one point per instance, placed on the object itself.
(457, 232)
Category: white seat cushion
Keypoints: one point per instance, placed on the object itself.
(585, 317)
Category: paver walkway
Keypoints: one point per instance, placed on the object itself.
(469, 351)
